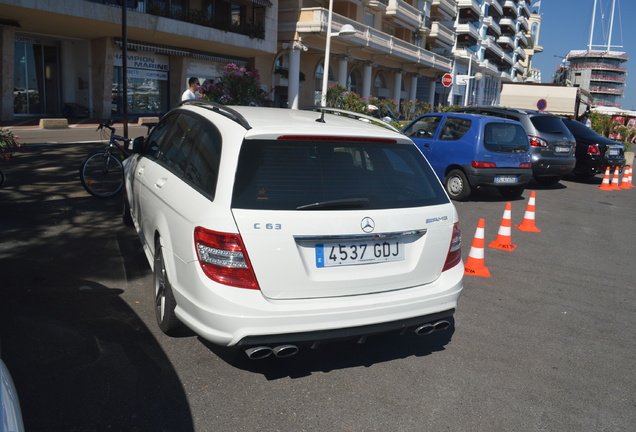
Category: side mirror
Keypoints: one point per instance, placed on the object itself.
(138, 145)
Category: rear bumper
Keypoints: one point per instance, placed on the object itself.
(598, 165)
(233, 316)
(552, 166)
(488, 176)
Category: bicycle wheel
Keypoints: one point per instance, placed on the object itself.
(102, 175)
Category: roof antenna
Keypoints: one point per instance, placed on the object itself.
(322, 117)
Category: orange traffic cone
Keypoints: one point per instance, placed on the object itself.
(504, 235)
(606, 181)
(475, 263)
(627, 178)
(615, 183)
(528, 218)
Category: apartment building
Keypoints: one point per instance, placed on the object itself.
(65, 58)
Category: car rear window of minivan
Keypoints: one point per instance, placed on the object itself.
(315, 175)
(548, 124)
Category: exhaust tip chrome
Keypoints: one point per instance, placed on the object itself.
(258, 353)
(283, 351)
(425, 329)
(442, 325)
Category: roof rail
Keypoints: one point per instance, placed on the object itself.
(221, 109)
(352, 114)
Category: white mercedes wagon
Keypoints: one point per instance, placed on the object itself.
(274, 229)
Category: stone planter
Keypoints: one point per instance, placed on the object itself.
(629, 158)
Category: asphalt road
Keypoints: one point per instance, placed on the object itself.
(545, 344)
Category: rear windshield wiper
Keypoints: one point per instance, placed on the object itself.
(335, 204)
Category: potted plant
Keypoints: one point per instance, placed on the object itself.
(8, 146)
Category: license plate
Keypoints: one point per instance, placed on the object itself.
(614, 152)
(506, 179)
(562, 149)
(358, 252)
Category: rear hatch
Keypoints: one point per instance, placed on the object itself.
(339, 218)
(557, 138)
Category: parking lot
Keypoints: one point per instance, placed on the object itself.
(545, 343)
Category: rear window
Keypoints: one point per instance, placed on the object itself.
(579, 129)
(310, 175)
(505, 138)
(548, 124)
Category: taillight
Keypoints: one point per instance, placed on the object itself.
(593, 149)
(454, 256)
(480, 164)
(537, 142)
(223, 258)
(525, 165)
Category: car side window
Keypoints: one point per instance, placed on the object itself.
(154, 140)
(425, 127)
(454, 128)
(175, 149)
(203, 167)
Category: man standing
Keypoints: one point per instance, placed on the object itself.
(193, 82)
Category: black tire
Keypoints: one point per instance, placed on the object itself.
(584, 175)
(2, 178)
(511, 192)
(126, 218)
(457, 185)
(548, 180)
(102, 176)
(164, 298)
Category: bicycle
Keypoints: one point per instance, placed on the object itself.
(102, 174)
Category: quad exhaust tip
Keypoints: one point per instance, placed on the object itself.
(428, 328)
(261, 352)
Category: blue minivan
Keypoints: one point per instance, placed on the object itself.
(469, 150)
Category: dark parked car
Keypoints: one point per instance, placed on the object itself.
(552, 145)
(594, 153)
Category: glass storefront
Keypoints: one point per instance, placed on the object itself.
(36, 78)
(147, 84)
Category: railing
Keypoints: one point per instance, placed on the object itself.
(313, 20)
(194, 16)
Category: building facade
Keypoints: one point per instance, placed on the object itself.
(66, 58)
(602, 73)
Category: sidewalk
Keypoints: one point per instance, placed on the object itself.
(78, 131)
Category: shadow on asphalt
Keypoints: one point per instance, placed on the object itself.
(80, 356)
(344, 354)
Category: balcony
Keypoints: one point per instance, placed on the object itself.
(472, 5)
(525, 11)
(490, 45)
(404, 15)
(506, 42)
(508, 26)
(443, 10)
(467, 29)
(378, 5)
(521, 53)
(519, 67)
(522, 40)
(492, 27)
(510, 9)
(312, 26)
(523, 24)
(495, 9)
(442, 34)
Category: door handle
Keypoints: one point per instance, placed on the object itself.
(140, 171)
(160, 182)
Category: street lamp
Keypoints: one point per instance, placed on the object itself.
(345, 30)
(477, 77)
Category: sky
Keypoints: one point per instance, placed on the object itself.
(566, 25)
